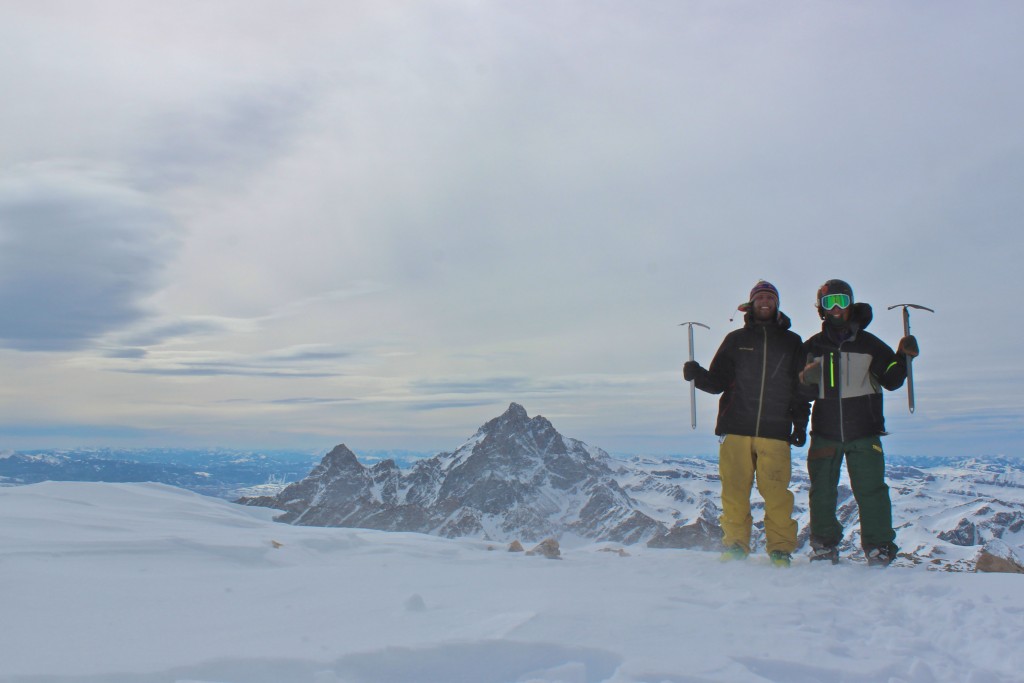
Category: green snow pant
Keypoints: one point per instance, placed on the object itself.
(865, 462)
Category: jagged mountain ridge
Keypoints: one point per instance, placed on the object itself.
(517, 477)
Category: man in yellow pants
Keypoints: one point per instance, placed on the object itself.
(761, 413)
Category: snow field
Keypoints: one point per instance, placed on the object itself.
(148, 583)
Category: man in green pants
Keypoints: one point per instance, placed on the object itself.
(847, 369)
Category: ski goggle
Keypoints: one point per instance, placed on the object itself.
(830, 301)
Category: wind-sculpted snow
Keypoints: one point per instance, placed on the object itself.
(145, 583)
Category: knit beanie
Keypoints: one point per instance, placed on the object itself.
(761, 286)
(764, 286)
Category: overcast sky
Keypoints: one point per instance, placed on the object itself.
(296, 224)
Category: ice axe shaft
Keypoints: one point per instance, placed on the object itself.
(910, 364)
(693, 386)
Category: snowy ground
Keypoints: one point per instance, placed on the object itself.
(147, 583)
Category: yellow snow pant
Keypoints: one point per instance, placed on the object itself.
(740, 458)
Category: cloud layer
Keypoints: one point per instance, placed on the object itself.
(380, 223)
(78, 256)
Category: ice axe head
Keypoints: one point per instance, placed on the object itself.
(910, 305)
(906, 314)
(693, 398)
(906, 333)
(690, 330)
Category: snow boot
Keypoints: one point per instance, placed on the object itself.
(733, 552)
(879, 556)
(828, 553)
(780, 558)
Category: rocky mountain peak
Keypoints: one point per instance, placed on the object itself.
(341, 458)
(517, 411)
(514, 432)
(513, 419)
(517, 477)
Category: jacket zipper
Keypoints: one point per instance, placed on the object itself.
(842, 421)
(764, 375)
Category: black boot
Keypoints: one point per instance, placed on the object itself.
(828, 552)
(824, 549)
(879, 555)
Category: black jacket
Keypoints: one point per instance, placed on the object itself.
(755, 369)
(855, 367)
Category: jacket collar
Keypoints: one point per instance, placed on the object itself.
(861, 316)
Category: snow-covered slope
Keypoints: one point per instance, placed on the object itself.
(144, 583)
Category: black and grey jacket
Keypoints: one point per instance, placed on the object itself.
(855, 367)
(756, 370)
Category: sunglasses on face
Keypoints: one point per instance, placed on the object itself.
(830, 301)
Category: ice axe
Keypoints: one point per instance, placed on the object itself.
(906, 333)
(693, 390)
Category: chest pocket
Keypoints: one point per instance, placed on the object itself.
(847, 375)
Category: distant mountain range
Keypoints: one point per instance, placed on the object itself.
(220, 472)
(215, 472)
(517, 478)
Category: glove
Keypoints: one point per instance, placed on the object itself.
(908, 347)
(811, 374)
(692, 370)
(799, 437)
